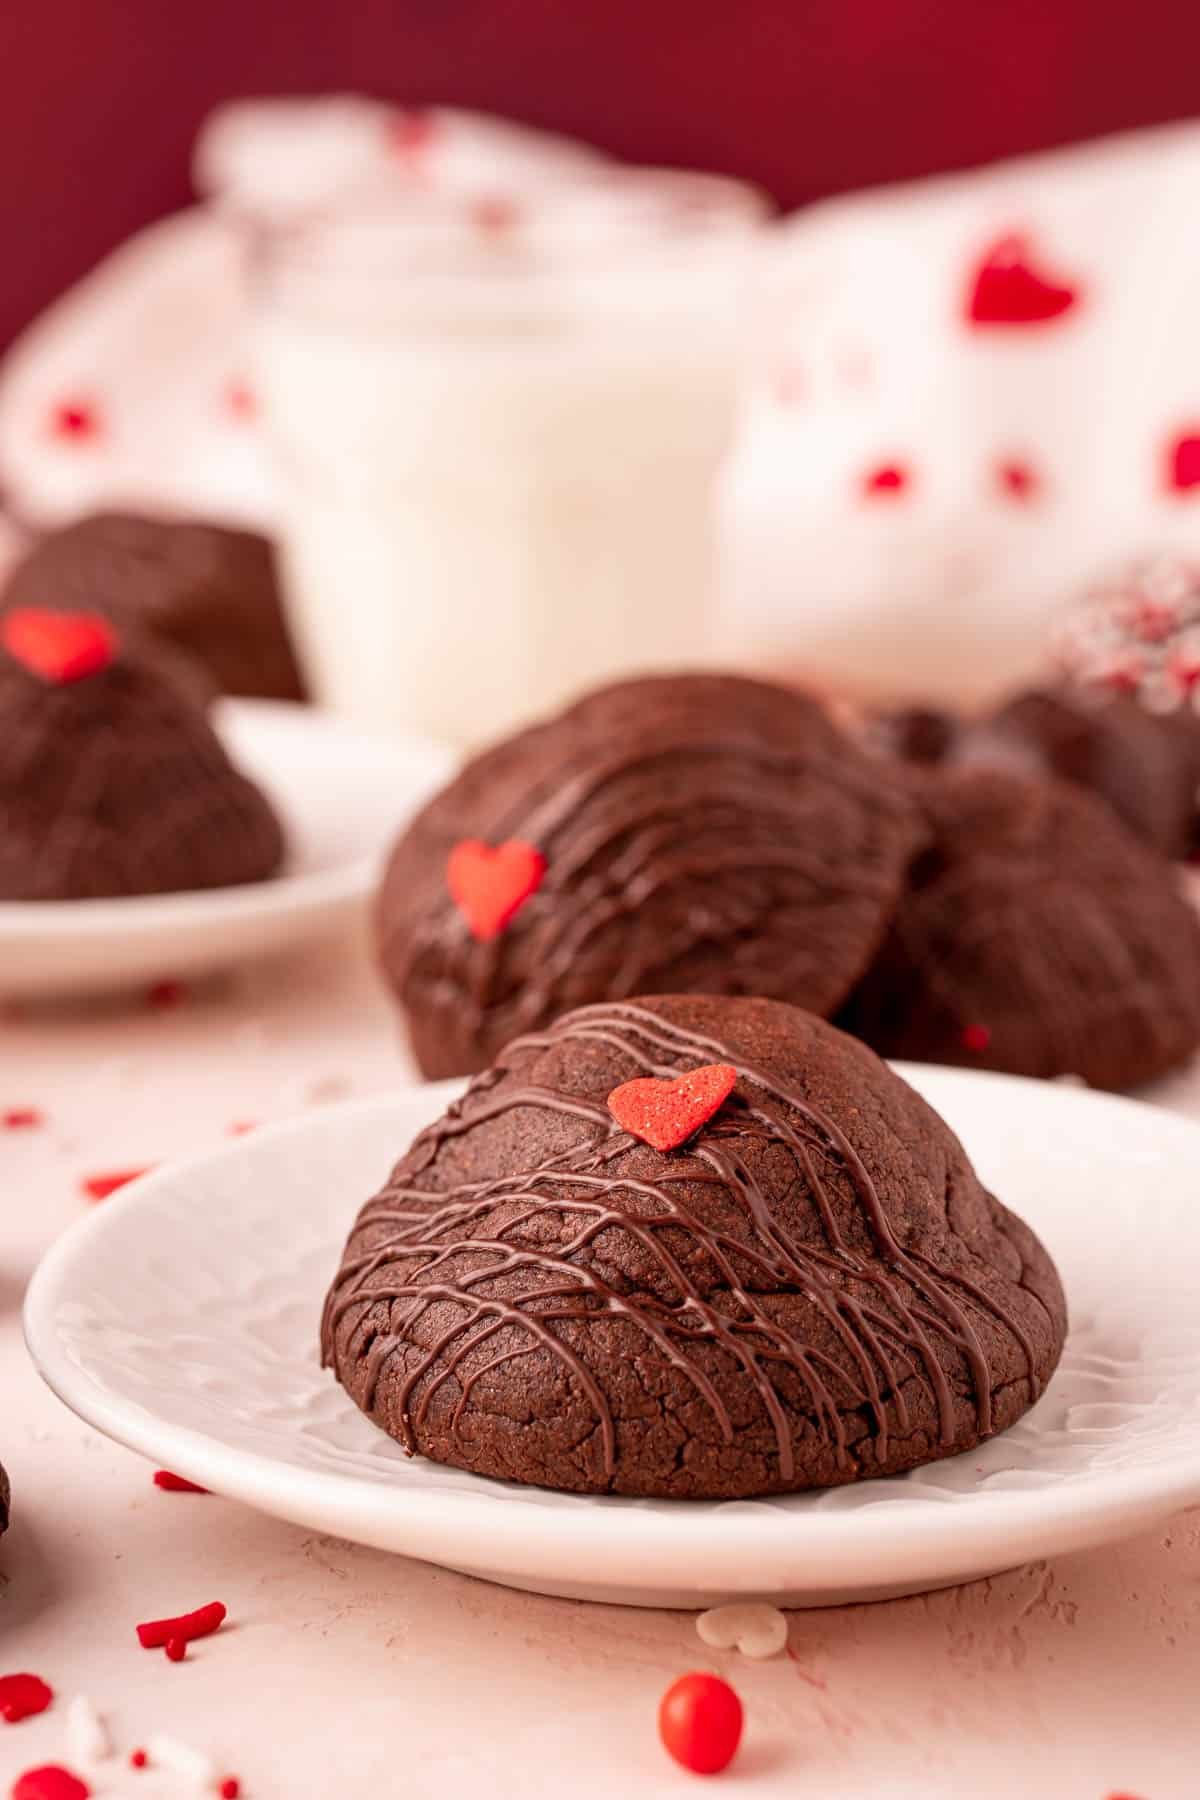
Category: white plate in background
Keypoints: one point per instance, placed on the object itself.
(343, 797)
(181, 1318)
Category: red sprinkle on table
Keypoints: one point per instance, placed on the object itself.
(664, 1114)
(176, 1484)
(138, 1759)
(240, 400)
(51, 1782)
(99, 1187)
(889, 478)
(976, 1037)
(240, 1127)
(495, 213)
(414, 128)
(176, 1649)
(700, 1722)
(230, 1788)
(21, 1118)
(60, 647)
(21, 1696)
(490, 883)
(158, 1634)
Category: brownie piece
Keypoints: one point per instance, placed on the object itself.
(812, 1288)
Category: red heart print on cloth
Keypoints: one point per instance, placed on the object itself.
(490, 883)
(1007, 287)
(887, 480)
(664, 1114)
(60, 647)
(1183, 461)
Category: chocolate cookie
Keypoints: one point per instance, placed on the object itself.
(1145, 766)
(685, 833)
(1036, 936)
(200, 591)
(810, 1288)
(112, 782)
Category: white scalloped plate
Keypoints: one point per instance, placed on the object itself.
(181, 1318)
(342, 795)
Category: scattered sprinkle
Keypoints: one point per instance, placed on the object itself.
(138, 1759)
(99, 1187)
(21, 1696)
(976, 1037)
(176, 1649)
(889, 478)
(176, 1484)
(182, 1759)
(59, 647)
(21, 1118)
(157, 1634)
(230, 1788)
(700, 1722)
(756, 1630)
(75, 419)
(240, 1127)
(87, 1735)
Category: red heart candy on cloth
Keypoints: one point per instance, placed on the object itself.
(1183, 462)
(490, 883)
(1008, 289)
(665, 1113)
(60, 647)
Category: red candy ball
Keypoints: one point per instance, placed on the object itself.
(700, 1722)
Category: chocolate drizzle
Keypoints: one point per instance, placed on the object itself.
(893, 1313)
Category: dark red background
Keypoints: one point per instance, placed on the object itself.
(100, 99)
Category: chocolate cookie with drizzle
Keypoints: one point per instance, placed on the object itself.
(693, 834)
(811, 1288)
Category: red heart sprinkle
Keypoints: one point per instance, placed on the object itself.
(230, 1788)
(665, 1113)
(1006, 287)
(176, 1484)
(99, 1187)
(889, 478)
(489, 884)
(50, 1783)
(1183, 462)
(1017, 479)
(59, 646)
(75, 419)
(21, 1696)
(976, 1037)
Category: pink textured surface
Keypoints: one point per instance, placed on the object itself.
(1074, 1680)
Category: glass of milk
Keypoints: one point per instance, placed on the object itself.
(497, 427)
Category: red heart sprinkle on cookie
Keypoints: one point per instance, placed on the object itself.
(976, 1037)
(490, 883)
(21, 1696)
(666, 1113)
(60, 647)
(1008, 289)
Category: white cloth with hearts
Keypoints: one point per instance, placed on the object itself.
(964, 398)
